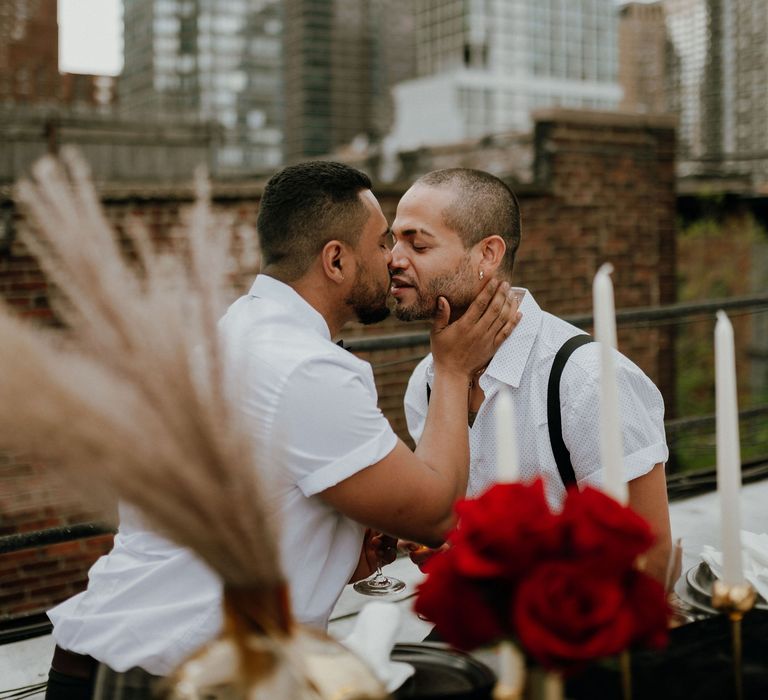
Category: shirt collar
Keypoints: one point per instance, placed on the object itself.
(509, 361)
(266, 287)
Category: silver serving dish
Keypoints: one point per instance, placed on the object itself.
(695, 588)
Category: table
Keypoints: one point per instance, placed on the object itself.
(695, 520)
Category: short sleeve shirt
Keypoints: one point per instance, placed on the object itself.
(523, 363)
(311, 407)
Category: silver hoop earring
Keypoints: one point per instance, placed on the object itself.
(482, 274)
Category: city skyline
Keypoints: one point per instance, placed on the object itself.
(91, 36)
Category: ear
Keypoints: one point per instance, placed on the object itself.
(491, 250)
(333, 258)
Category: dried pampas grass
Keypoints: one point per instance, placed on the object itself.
(136, 401)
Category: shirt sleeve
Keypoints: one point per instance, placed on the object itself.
(415, 402)
(641, 410)
(329, 424)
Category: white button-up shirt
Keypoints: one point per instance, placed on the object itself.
(312, 407)
(523, 363)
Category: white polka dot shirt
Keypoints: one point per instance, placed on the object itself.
(523, 363)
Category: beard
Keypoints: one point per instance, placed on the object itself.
(369, 299)
(457, 286)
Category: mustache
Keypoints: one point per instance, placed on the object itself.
(401, 279)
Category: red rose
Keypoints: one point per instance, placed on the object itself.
(504, 531)
(565, 616)
(461, 608)
(603, 531)
(648, 602)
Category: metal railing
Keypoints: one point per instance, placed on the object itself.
(680, 485)
(638, 316)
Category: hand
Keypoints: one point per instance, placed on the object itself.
(378, 550)
(420, 554)
(468, 344)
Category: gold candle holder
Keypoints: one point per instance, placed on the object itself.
(735, 600)
(506, 692)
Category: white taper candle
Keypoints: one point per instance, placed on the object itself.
(611, 451)
(507, 459)
(511, 668)
(728, 452)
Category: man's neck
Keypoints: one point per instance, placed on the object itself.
(316, 294)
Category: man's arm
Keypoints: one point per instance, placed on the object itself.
(642, 424)
(411, 495)
(648, 497)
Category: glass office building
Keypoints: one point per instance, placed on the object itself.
(484, 65)
(216, 60)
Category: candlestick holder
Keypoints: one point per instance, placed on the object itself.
(735, 600)
(535, 683)
(507, 692)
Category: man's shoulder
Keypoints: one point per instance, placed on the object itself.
(582, 370)
(554, 332)
(262, 335)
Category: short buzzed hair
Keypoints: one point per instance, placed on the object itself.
(303, 207)
(484, 206)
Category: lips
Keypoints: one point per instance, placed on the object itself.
(399, 286)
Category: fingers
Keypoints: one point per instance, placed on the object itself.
(482, 301)
(387, 556)
(442, 316)
(507, 319)
(500, 308)
(422, 554)
(385, 547)
(506, 329)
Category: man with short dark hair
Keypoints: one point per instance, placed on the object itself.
(453, 229)
(332, 469)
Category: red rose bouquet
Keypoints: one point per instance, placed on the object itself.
(565, 586)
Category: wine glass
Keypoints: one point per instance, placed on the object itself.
(378, 583)
(681, 613)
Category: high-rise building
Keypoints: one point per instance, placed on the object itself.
(341, 59)
(643, 74)
(746, 101)
(720, 75)
(692, 28)
(484, 65)
(29, 51)
(215, 60)
(29, 62)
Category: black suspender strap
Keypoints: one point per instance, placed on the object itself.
(554, 419)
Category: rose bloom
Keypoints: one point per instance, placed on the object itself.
(602, 531)
(566, 615)
(648, 601)
(504, 531)
(462, 609)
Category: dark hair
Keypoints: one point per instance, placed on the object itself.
(484, 206)
(303, 207)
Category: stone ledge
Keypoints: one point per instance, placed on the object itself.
(630, 120)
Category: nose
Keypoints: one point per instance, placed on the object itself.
(398, 259)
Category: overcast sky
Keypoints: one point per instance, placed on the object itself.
(91, 36)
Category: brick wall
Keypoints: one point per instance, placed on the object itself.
(611, 199)
(32, 498)
(602, 190)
